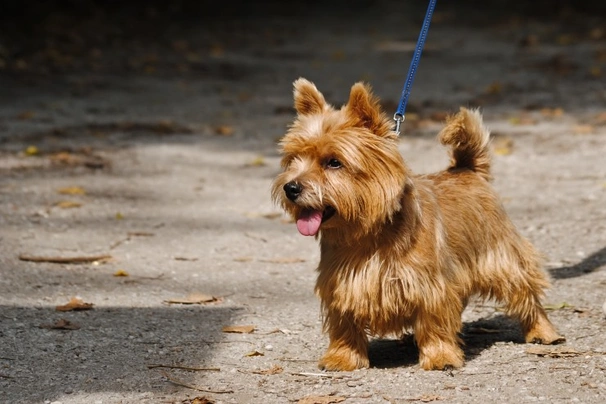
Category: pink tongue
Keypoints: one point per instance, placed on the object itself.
(309, 221)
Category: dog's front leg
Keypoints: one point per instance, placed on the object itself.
(348, 348)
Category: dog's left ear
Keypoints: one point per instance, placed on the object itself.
(365, 106)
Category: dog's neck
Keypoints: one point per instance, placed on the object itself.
(395, 230)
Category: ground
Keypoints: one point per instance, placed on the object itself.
(144, 144)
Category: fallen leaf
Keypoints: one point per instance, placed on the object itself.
(119, 216)
(254, 353)
(426, 398)
(224, 130)
(239, 329)
(198, 400)
(557, 306)
(61, 324)
(194, 298)
(31, 151)
(503, 146)
(284, 260)
(185, 259)
(120, 272)
(257, 162)
(482, 330)
(320, 400)
(25, 115)
(554, 352)
(583, 129)
(75, 304)
(71, 191)
(494, 88)
(274, 370)
(552, 112)
(67, 260)
(600, 119)
(68, 204)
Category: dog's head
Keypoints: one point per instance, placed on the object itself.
(341, 167)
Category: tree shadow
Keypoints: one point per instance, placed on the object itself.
(477, 336)
(586, 266)
(109, 350)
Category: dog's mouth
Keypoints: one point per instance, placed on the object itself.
(310, 220)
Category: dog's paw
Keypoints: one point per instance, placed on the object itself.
(441, 359)
(543, 332)
(342, 360)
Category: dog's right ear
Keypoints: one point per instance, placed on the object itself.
(308, 100)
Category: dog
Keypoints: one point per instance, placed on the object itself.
(399, 251)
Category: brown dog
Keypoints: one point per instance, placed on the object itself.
(401, 251)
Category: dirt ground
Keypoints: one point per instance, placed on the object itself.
(142, 142)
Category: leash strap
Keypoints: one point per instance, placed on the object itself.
(399, 115)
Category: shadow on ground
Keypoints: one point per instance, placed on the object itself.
(109, 352)
(477, 336)
(588, 265)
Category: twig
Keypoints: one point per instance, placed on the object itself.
(65, 260)
(2, 375)
(307, 374)
(180, 383)
(154, 366)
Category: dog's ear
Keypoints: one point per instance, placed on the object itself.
(364, 106)
(308, 100)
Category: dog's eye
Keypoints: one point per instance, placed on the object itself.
(333, 163)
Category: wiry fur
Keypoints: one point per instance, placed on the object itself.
(404, 251)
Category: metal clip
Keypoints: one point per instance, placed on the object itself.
(399, 119)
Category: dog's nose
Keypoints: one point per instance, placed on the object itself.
(293, 190)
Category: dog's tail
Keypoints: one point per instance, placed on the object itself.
(469, 139)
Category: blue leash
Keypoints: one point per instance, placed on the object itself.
(399, 115)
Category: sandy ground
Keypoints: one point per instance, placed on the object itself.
(158, 151)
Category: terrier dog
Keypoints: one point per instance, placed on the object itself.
(400, 251)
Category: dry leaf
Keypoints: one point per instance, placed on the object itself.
(61, 324)
(31, 151)
(67, 260)
(583, 129)
(284, 260)
(321, 400)
(71, 191)
(224, 130)
(194, 298)
(25, 115)
(119, 216)
(482, 330)
(552, 112)
(185, 259)
(120, 272)
(554, 352)
(274, 370)
(198, 400)
(494, 88)
(254, 353)
(259, 161)
(68, 204)
(426, 398)
(75, 304)
(557, 306)
(503, 146)
(239, 329)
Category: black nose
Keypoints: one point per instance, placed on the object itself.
(293, 190)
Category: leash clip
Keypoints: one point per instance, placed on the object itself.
(399, 118)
